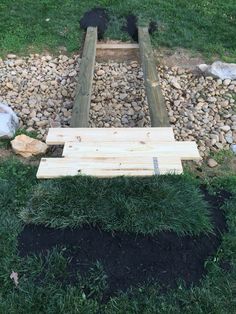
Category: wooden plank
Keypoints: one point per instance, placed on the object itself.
(118, 52)
(169, 165)
(80, 112)
(184, 150)
(119, 45)
(156, 102)
(59, 136)
(59, 167)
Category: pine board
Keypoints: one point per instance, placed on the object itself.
(107, 167)
(103, 152)
(59, 136)
(183, 150)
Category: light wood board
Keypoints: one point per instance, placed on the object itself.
(120, 45)
(106, 167)
(59, 136)
(183, 150)
(111, 152)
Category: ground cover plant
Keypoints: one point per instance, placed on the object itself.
(121, 204)
(44, 279)
(208, 26)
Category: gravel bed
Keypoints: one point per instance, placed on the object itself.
(119, 98)
(41, 89)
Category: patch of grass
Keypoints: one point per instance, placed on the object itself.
(32, 134)
(16, 182)
(214, 295)
(207, 26)
(145, 205)
(227, 182)
(40, 289)
(222, 156)
(226, 167)
(6, 143)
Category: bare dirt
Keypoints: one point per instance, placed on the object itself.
(178, 57)
(97, 17)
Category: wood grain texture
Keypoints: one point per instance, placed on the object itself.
(118, 52)
(120, 45)
(156, 102)
(59, 136)
(80, 112)
(106, 167)
(183, 150)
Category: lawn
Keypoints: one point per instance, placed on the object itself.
(177, 206)
(206, 26)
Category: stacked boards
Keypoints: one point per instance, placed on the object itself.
(104, 152)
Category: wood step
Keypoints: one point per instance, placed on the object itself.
(104, 152)
(59, 136)
(182, 150)
(108, 167)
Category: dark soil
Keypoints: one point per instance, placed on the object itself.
(132, 29)
(129, 259)
(97, 17)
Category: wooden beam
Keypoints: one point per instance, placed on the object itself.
(80, 112)
(156, 102)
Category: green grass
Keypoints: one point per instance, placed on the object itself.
(6, 143)
(40, 289)
(207, 26)
(144, 205)
(221, 156)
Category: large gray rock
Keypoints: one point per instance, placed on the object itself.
(219, 69)
(8, 122)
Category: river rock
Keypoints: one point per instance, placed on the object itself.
(27, 146)
(212, 163)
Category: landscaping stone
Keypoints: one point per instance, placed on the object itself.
(222, 70)
(8, 122)
(27, 147)
(212, 163)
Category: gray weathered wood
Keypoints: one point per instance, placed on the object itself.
(156, 102)
(80, 112)
(117, 51)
